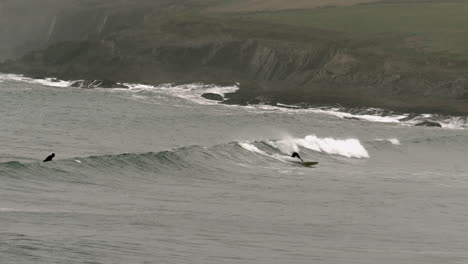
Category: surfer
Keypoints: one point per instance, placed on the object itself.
(296, 155)
(49, 158)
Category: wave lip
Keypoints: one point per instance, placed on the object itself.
(252, 148)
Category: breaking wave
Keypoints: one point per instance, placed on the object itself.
(53, 82)
(189, 159)
(190, 92)
(350, 148)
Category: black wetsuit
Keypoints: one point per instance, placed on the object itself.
(296, 155)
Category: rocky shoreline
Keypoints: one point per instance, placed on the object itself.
(271, 73)
(273, 64)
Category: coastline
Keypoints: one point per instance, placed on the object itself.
(275, 56)
(225, 94)
(416, 92)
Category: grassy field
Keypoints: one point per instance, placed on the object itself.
(275, 5)
(434, 26)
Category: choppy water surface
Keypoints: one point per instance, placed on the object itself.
(160, 175)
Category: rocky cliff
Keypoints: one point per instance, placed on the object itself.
(273, 64)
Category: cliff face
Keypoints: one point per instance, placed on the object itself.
(27, 25)
(272, 64)
(23, 26)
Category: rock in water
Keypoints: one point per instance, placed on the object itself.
(91, 84)
(213, 96)
(429, 124)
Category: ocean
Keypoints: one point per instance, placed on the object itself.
(158, 174)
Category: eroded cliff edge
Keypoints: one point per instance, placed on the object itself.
(273, 63)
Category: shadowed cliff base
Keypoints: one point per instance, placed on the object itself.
(364, 55)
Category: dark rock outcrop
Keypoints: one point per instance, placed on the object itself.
(213, 96)
(429, 124)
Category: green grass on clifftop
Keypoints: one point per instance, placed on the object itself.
(434, 26)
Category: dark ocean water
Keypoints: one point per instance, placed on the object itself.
(160, 175)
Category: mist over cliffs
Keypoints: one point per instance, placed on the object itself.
(27, 25)
(290, 56)
(24, 25)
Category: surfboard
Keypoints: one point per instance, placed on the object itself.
(306, 163)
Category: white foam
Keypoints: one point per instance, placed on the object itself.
(350, 148)
(52, 82)
(394, 141)
(455, 123)
(252, 148)
(287, 145)
(191, 92)
(11, 77)
(366, 117)
(328, 111)
(290, 109)
(136, 86)
(447, 122)
(47, 81)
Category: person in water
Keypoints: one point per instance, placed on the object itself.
(296, 155)
(50, 158)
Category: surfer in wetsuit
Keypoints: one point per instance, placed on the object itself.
(296, 155)
(49, 158)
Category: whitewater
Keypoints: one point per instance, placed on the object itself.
(159, 174)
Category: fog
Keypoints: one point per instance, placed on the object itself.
(23, 23)
(27, 25)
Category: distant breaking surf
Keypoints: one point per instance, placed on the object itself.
(193, 93)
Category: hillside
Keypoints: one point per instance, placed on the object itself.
(277, 5)
(403, 55)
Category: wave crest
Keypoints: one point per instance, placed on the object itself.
(350, 148)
